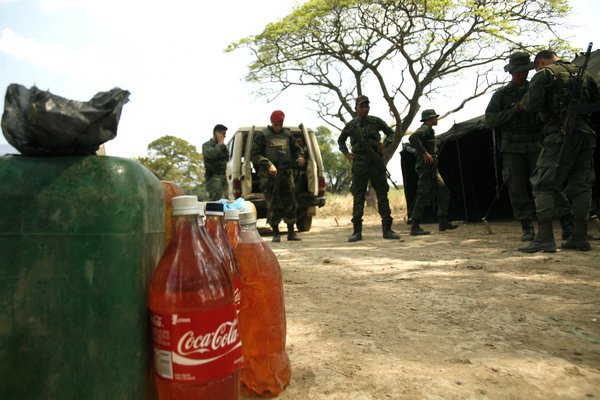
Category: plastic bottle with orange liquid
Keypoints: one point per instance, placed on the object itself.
(261, 313)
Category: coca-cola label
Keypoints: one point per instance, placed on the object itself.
(237, 293)
(196, 347)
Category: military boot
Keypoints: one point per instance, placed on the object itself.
(566, 224)
(291, 234)
(416, 230)
(528, 231)
(357, 235)
(445, 225)
(543, 241)
(276, 236)
(578, 240)
(386, 228)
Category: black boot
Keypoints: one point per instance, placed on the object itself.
(543, 241)
(578, 240)
(566, 223)
(445, 225)
(357, 235)
(386, 228)
(528, 232)
(291, 234)
(416, 230)
(276, 237)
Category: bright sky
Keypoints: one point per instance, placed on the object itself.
(169, 55)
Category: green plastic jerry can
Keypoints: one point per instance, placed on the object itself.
(79, 240)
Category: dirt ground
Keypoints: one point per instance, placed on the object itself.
(453, 315)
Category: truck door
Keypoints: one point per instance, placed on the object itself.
(312, 159)
(247, 165)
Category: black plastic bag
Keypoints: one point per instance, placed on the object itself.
(39, 123)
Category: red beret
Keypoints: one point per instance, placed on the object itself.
(277, 117)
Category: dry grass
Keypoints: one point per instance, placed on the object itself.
(341, 204)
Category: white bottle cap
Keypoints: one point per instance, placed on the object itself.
(232, 214)
(185, 205)
(247, 217)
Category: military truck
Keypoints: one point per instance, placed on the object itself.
(243, 179)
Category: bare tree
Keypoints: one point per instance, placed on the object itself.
(406, 50)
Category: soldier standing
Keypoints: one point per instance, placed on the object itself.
(549, 94)
(273, 152)
(520, 145)
(364, 131)
(431, 188)
(215, 163)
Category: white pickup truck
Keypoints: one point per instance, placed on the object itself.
(243, 177)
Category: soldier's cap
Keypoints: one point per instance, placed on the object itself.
(518, 62)
(277, 117)
(361, 99)
(425, 115)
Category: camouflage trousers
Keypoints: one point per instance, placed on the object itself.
(430, 188)
(578, 175)
(517, 171)
(217, 187)
(280, 195)
(363, 171)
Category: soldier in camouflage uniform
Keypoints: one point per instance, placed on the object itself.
(215, 164)
(431, 188)
(364, 131)
(520, 145)
(274, 150)
(549, 94)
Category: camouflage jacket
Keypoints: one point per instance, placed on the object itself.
(423, 139)
(365, 132)
(520, 131)
(215, 158)
(549, 93)
(269, 148)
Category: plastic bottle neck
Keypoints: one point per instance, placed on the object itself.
(186, 228)
(218, 219)
(249, 234)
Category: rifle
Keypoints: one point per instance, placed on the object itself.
(434, 181)
(374, 156)
(568, 125)
(496, 155)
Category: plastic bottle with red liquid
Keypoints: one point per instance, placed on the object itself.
(195, 332)
(232, 226)
(262, 312)
(214, 222)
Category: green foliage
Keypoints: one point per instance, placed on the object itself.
(399, 52)
(338, 172)
(174, 159)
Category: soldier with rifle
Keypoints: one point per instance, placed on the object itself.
(556, 92)
(367, 165)
(520, 142)
(273, 152)
(431, 188)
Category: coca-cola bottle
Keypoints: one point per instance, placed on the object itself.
(232, 226)
(214, 223)
(195, 333)
(262, 312)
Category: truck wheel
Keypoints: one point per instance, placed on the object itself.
(304, 223)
